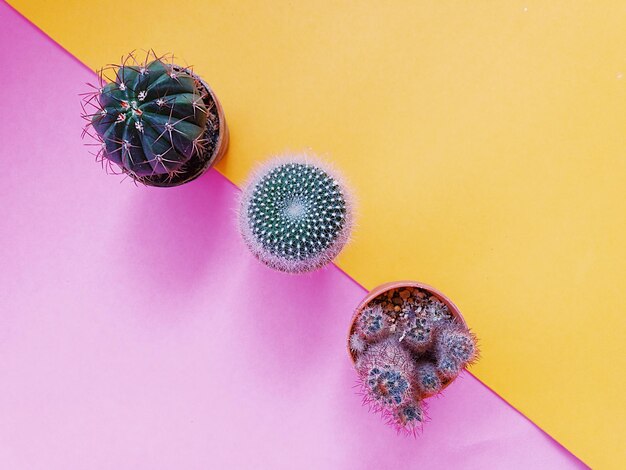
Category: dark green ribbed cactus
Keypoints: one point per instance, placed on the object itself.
(156, 121)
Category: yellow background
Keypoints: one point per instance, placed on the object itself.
(485, 141)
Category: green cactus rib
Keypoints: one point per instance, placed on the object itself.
(151, 119)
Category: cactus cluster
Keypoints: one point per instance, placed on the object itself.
(295, 215)
(408, 346)
(152, 119)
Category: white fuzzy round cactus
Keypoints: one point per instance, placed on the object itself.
(295, 214)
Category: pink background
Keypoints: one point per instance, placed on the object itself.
(137, 332)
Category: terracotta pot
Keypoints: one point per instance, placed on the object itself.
(198, 164)
(383, 288)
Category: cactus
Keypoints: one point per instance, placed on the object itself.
(387, 382)
(357, 343)
(437, 312)
(447, 368)
(456, 344)
(154, 120)
(407, 418)
(407, 346)
(417, 335)
(295, 215)
(373, 324)
(388, 385)
(428, 381)
(387, 370)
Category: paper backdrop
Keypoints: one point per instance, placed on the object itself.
(485, 141)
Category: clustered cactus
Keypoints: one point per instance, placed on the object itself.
(295, 215)
(408, 346)
(154, 120)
